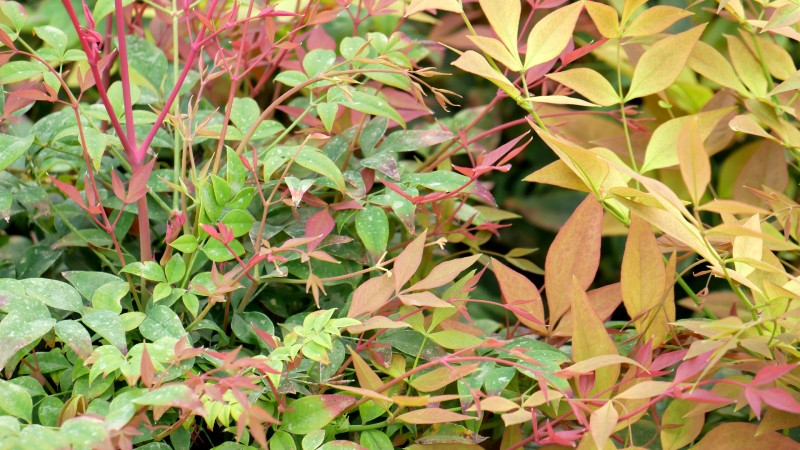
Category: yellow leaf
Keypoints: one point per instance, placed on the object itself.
(778, 61)
(497, 51)
(561, 100)
(591, 339)
(557, 173)
(661, 64)
(503, 16)
(605, 19)
(644, 389)
(674, 225)
(693, 159)
(643, 282)
(630, 7)
(475, 63)
(495, 404)
(589, 84)
(443, 5)
(710, 63)
(748, 246)
(654, 20)
(550, 36)
(432, 415)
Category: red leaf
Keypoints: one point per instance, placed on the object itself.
(778, 399)
(771, 373)
(117, 185)
(137, 188)
(319, 226)
(70, 191)
(739, 435)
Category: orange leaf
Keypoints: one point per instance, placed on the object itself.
(444, 273)
(520, 292)
(693, 159)
(574, 252)
(407, 263)
(371, 295)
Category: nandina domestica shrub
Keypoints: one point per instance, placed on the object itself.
(268, 224)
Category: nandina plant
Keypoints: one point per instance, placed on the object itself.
(237, 224)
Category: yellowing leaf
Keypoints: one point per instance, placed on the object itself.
(441, 377)
(497, 51)
(503, 16)
(644, 389)
(591, 338)
(605, 19)
(495, 404)
(693, 159)
(550, 36)
(746, 124)
(432, 415)
(748, 246)
(747, 66)
(602, 423)
(739, 435)
(778, 61)
(710, 63)
(444, 273)
(662, 149)
(589, 84)
(661, 64)
(573, 255)
(643, 283)
(443, 5)
(476, 64)
(678, 430)
(654, 20)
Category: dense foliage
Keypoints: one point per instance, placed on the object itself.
(249, 224)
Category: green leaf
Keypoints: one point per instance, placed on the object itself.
(372, 227)
(15, 13)
(327, 114)
(373, 104)
(309, 157)
(240, 221)
(148, 64)
(13, 148)
(161, 322)
(216, 251)
(53, 37)
(15, 71)
(88, 282)
(291, 78)
(84, 432)
(15, 401)
(375, 440)
(18, 331)
(242, 326)
(235, 171)
(282, 440)
(171, 395)
(108, 325)
(149, 270)
(108, 296)
(313, 412)
(186, 243)
(105, 7)
(244, 112)
(175, 269)
(73, 334)
(317, 61)
(55, 294)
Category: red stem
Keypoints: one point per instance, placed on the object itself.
(125, 79)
